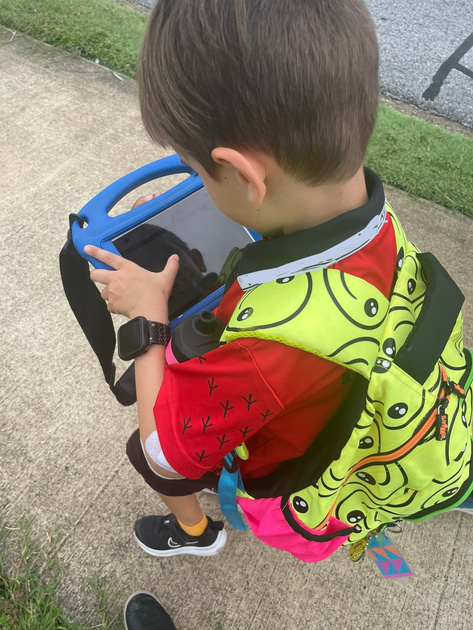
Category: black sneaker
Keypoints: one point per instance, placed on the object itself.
(163, 536)
(144, 612)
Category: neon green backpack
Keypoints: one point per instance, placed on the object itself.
(400, 446)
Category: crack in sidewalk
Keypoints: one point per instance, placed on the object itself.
(80, 518)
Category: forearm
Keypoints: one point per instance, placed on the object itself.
(149, 375)
(133, 291)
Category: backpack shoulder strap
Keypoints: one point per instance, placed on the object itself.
(94, 319)
(435, 322)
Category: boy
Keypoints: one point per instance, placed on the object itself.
(273, 104)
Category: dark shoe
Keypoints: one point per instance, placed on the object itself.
(144, 612)
(163, 536)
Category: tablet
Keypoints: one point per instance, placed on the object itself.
(208, 244)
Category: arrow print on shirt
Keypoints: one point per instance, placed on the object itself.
(206, 424)
(226, 407)
(266, 415)
(187, 424)
(222, 440)
(249, 400)
(211, 385)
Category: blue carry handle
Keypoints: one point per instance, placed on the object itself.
(94, 226)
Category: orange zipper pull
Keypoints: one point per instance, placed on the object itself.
(442, 420)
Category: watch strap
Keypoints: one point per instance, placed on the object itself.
(159, 333)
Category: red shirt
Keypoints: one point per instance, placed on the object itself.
(274, 397)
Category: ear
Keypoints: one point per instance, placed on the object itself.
(249, 168)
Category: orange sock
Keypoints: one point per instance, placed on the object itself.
(195, 530)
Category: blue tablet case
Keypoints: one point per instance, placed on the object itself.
(93, 225)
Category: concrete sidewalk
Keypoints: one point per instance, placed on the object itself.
(67, 129)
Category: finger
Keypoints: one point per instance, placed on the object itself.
(104, 294)
(139, 202)
(112, 260)
(103, 276)
(171, 268)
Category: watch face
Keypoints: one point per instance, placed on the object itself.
(133, 338)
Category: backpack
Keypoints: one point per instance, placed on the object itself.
(400, 446)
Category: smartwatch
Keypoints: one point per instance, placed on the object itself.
(135, 337)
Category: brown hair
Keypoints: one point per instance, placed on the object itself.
(297, 79)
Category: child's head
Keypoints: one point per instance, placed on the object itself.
(295, 79)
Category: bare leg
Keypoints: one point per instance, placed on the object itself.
(186, 509)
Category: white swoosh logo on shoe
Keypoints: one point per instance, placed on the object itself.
(172, 543)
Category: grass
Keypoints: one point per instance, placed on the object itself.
(408, 153)
(423, 159)
(94, 29)
(29, 575)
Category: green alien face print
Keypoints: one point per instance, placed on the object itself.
(293, 310)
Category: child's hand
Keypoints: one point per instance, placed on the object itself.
(141, 200)
(131, 290)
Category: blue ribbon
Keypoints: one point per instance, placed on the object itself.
(230, 480)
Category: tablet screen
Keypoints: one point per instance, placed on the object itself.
(208, 244)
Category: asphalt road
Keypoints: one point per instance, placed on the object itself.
(426, 51)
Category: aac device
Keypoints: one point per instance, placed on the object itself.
(182, 220)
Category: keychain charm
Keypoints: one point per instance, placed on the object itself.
(387, 557)
(358, 548)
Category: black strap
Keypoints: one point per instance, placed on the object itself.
(437, 318)
(94, 319)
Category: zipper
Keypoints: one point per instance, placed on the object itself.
(442, 417)
(441, 420)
